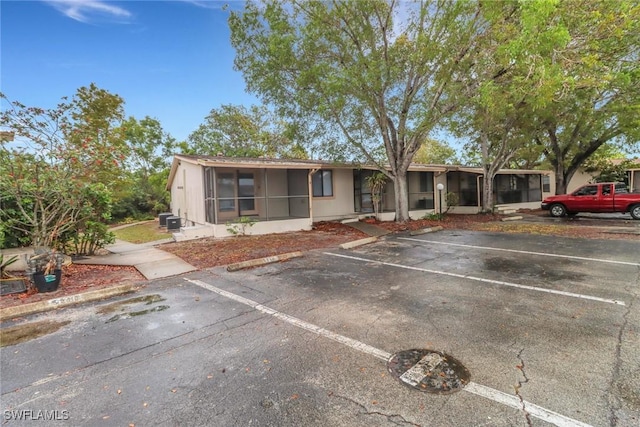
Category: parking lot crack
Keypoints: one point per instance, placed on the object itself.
(521, 367)
(614, 400)
(392, 418)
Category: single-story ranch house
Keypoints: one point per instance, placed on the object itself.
(210, 192)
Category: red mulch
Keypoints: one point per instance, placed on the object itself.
(211, 252)
(76, 279)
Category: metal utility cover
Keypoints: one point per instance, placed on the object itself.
(428, 370)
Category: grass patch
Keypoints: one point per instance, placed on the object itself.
(142, 233)
(21, 333)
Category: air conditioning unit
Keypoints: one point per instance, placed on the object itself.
(173, 223)
(162, 218)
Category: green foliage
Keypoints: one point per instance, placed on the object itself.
(240, 226)
(433, 152)
(356, 73)
(51, 178)
(435, 216)
(451, 200)
(6, 263)
(87, 239)
(236, 131)
(588, 88)
(376, 182)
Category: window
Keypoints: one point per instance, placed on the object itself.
(546, 183)
(322, 183)
(587, 190)
(621, 189)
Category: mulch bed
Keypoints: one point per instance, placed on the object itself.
(211, 252)
(76, 279)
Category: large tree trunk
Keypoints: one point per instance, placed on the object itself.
(487, 191)
(402, 196)
(561, 182)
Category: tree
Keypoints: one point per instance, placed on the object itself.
(608, 164)
(497, 90)
(435, 152)
(588, 86)
(93, 133)
(373, 71)
(234, 130)
(147, 169)
(50, 175)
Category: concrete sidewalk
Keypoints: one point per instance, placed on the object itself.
(151, 262)
(369, 229)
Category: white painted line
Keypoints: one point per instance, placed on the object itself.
(515, 402)
(477, 389)
(581, 258)
(297, 322)
(481, 279)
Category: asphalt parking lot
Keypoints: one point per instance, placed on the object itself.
(548, 328)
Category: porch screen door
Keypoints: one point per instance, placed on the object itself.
(247, 193)
(226, 194)
(236, 194)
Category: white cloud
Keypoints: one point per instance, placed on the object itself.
(87, 11)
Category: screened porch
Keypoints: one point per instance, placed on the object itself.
(259, 194)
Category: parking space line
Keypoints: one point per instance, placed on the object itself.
(481, 279)
(473, 388)
(581, 258)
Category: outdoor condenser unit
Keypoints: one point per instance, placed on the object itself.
(173, 223)
(162, 218)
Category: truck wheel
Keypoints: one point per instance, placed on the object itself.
(635, 211)
(557, 210)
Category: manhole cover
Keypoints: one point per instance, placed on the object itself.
(428, 370)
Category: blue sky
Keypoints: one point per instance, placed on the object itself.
(171, 60)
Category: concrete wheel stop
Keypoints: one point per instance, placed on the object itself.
(428, 371)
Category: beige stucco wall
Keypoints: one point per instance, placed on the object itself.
(187, 194)
(341, 204)
(579, 179)
(266, 227)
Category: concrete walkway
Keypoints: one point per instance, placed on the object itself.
(369, 229)
(151, 262)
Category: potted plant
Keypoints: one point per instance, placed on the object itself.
(45, 269)
(8, 283)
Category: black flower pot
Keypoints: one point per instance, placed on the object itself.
(47, 282)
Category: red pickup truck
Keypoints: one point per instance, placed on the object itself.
(604, 197)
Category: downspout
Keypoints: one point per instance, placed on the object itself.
(479, 191)
(184, 195)
(310, 190)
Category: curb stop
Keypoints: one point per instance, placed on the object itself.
(65, 301)
(262, 261)
(426, 230)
